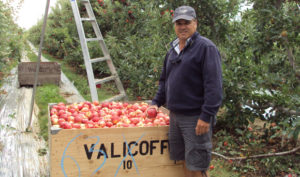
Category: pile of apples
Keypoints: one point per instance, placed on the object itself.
(87, 114)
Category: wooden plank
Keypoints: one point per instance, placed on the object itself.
(49, 73)
(72, 153)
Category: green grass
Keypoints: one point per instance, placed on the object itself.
(221, 169)
(44, 95)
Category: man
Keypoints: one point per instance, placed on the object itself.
(190, 86)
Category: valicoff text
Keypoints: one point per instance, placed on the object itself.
(118, 149)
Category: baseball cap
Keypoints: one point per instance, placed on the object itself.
(184, 12)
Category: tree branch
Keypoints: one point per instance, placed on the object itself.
(282, 109)
(258, 156)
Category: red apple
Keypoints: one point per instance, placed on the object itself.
(84, 120)
(151, 113)
(95, 119)
(134, 120)
(54, 121)
(156, 122)
(109, 124)
(77, 125)
(67, 125)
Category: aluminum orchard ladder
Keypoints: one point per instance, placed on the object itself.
(86, 55)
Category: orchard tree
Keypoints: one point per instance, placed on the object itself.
(10, 35)
(260, 68)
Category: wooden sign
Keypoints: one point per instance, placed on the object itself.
(49, 73)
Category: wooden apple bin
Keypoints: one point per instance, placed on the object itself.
(111, 152)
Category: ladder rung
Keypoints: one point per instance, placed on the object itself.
(114, 98)
(94, 39)
(100, 81)
(94, 60)
(88, 19)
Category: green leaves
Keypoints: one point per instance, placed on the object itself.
(11, 39)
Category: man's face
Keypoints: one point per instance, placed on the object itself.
(185, 28)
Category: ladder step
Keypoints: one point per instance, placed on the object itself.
(114, 98)
(94, 39)
(106, 79)
(94, 60)
(88, 19)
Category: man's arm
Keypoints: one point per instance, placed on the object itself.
(212, 76)
(160, 97)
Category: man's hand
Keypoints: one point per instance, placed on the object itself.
(202, 127)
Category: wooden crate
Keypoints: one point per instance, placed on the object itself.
(49, 73)
(111, 152)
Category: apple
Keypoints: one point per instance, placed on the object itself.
(147, 120)
(109, 124)
(78, 118)
(95, 119)
(102, 123)
(162, 124)
(96, 103)
(60, 112)
(54, 120)
(53, 111)
(84, 120)
(67, 125)
(134, 120)
(60, 121)
(82, 126)
(70, 118)
(77, 126)
(156, 122)
(151, 113)
(115, 119)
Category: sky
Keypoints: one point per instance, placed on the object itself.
(31, 11)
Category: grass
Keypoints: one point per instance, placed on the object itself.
(44, 95)
(221, 169)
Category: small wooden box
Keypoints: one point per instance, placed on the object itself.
(49, 73)
(111, 152)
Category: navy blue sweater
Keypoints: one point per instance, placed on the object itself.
(191, 82)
